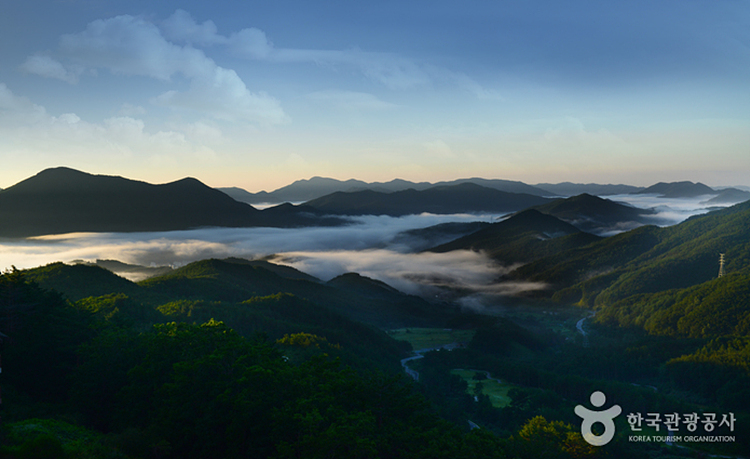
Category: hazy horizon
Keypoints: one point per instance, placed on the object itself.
(259, 95)
(301, 179)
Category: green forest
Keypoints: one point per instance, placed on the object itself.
(179, 366)
(235, 358)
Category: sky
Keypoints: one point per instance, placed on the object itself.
(257, 94)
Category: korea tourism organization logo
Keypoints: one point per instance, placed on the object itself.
(604, 417)
(662, 428)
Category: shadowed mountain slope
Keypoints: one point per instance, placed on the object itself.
(594, 214)
(524, 237)
(235, 280)
(729, 195)
(81, 281)
(423, 238)
(231, 280)
(98, 292)
(648, 259)
(466, 197)
(64, 200)
(678, 190)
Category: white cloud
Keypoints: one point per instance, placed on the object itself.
(28, 129)
(250, 43)
(16, 110)
(49, 68)
(203, 132)
(181, 27)
(129, 45)
(223, 95)
(350, 100)
(131, 110)
(389, 69)
(323, 252)
(468, 84)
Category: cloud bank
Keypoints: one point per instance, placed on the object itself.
(365, 247)
(371, 246)
(132, 46)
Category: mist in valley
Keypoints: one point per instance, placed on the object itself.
(373, 246)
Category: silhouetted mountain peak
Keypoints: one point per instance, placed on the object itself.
(62, 179)
(533, 219)
(523, 237)
(443, 199)
(63, 200)
(684, 189)
(361, 283)
(595, 214)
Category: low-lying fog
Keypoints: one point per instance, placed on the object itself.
(368, 246)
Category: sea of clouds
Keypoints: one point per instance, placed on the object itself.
(369, 246)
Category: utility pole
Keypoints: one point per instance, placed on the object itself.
(721, 264)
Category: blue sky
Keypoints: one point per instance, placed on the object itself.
(258, 94)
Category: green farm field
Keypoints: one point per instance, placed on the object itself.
(496, 391)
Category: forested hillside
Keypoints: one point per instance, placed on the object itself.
(115, 377)
(205, 362)
(649, 259)
(666, 282)
(522, 238)
(237, 358)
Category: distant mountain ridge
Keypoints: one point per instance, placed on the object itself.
(729, 195)
(316, 187)
(448, 199)
(574, 189)
(678, 189)
(64, 200)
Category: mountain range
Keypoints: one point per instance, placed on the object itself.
(235, 280)
(595, 214)
(573, 189)
(316, 187)
(522, 238)
(664, 279)
(444, 199)
(678, 190)
(729, 196)
(63, 200)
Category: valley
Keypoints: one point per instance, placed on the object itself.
(518, 313)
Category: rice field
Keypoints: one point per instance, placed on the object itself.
(496, 391)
